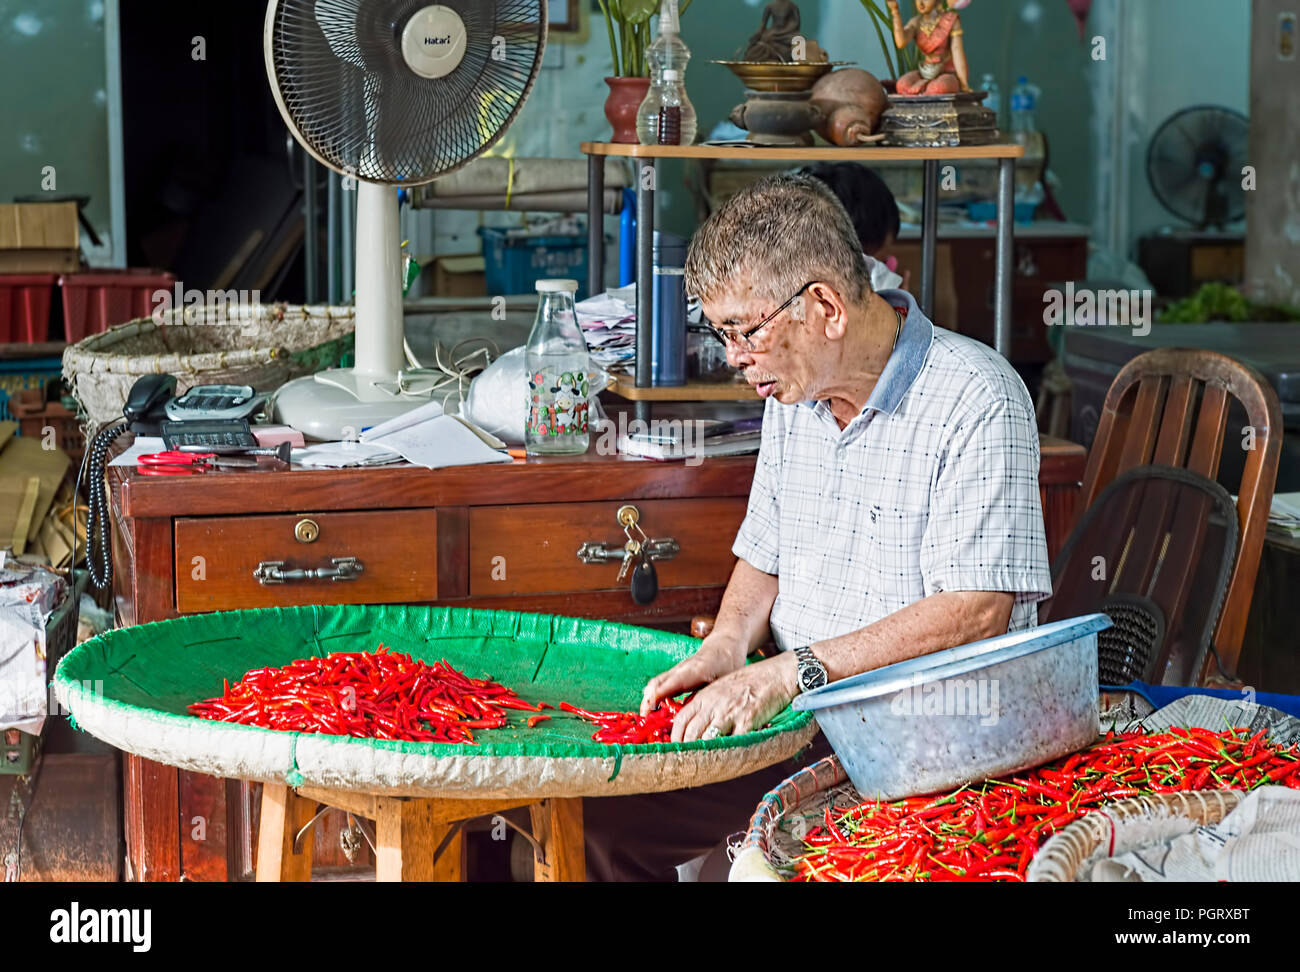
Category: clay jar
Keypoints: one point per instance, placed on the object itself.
(788, 114)
(625, 97)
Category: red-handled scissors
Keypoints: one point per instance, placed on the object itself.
(175, 463)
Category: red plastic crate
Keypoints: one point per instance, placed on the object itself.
(25, 307)
(99, 299)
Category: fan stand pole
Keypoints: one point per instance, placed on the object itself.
(379, 282)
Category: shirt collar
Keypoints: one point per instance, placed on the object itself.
(909, 353)
(904, 364)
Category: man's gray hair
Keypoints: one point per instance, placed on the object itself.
(785, 230)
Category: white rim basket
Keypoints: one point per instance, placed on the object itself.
(262, 345)
(1123, 826)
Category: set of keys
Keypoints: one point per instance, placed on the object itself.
(636, 558)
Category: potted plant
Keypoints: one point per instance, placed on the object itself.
(628, 25)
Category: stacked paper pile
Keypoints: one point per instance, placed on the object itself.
(608, 323)
(1284, 514)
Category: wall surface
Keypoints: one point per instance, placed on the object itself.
(1201, 58)
(53, 110)
(1273, 209)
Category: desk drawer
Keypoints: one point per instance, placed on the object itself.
(216, 558)
(534, 549)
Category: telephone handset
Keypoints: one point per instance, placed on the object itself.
(146, 404)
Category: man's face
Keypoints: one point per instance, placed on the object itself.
(788, 352)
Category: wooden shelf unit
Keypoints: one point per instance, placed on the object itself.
(1005, 155)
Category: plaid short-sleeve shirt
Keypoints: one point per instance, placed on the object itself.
(932, 487)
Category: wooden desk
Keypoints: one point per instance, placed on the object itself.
(482, 536)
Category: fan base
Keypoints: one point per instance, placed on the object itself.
(340, 404)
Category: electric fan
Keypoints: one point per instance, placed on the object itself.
(1194, 164)
(391, 93)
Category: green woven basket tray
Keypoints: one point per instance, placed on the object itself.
(131, 687)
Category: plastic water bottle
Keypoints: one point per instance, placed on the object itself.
(666, 116)
(1024, 98)
(994, 100)
(558, 384)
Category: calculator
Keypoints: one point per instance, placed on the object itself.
(219, 436)
(215, 402)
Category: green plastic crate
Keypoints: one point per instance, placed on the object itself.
(17, 752)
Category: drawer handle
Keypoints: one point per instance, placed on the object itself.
(273, 572)
(591, 552)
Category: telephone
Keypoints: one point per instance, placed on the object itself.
(215, 403)
(151, 404)
(146, 404)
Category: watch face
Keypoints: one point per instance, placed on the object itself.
(812, 677)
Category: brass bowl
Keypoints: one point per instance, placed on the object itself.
(778, 75)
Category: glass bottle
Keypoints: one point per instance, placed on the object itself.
(558, 364)
(666, 116)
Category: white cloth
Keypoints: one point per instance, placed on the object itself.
(882, 278)
(933, 487)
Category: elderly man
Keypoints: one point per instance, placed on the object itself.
(894, 509)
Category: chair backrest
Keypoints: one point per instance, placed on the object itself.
(1169, 407)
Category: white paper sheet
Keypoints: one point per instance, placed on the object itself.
(426, 412)
(143, 445)
(442, 441)
(342, 455)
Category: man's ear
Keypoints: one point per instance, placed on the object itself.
(834, 311)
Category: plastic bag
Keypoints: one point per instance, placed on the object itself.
(498, 397)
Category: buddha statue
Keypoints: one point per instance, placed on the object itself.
(776, 33)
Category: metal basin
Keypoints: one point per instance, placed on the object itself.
(967, 713)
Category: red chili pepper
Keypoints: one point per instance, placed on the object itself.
(382, 694)
(534, 720)
(955, 837)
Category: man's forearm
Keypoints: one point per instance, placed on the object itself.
(746, 606)
(939, 621)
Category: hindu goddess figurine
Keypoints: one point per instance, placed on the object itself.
(936, 31)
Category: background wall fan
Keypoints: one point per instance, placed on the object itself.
(1195, 163)
(393, 93)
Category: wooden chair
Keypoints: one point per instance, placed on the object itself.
(1170, 407)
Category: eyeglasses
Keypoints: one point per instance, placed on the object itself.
(742, 338)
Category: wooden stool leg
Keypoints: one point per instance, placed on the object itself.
(407, 833)
(284, 813)
(557, 826)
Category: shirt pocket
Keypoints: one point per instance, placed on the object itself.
(893, 551)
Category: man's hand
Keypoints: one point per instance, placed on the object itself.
(742, 701)
(718, 655)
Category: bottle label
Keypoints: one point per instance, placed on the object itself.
(557, 404)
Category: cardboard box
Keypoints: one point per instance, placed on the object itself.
(459, 276)
(39, 238)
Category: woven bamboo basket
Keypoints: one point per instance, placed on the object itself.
(775, 835)
(1105, 832)
(784, 815)
(262, 345)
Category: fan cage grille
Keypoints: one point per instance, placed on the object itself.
(348, 95)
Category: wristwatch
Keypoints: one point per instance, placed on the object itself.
(812, 673)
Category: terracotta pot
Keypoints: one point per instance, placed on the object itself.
(625, 97)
